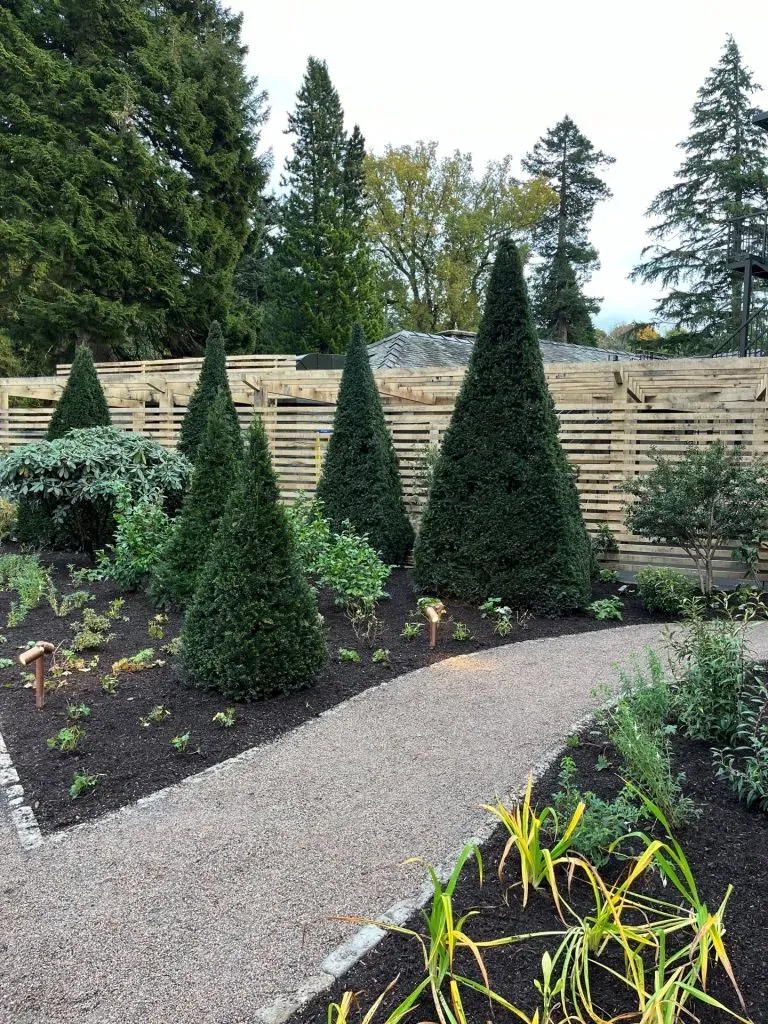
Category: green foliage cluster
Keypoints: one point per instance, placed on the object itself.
(142, 529)
(27, 579)
(710, 496)
(663, 590)
(85, 473)
(503, 514)
(361, 479)
(212, 380)
(743, 761)
(562, 312)
(607, 608)
(180, 559)
(82, 402)
(252, 629)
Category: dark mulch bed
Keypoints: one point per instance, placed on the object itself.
(726, 845)
(133, 760)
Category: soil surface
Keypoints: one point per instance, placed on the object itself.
(726, 845)
(133, 759)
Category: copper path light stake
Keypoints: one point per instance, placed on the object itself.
(434, 612)
(37, 654)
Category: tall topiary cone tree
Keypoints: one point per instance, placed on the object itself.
(503, 518)
(82, 404)
(212, 379)
(216, 467)
(361, 477)
(252, 629)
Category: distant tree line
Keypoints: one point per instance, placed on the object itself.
(134, 209)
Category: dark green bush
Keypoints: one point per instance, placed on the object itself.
(361, 479)
(503, 515)
(213, 378)
(252, 629)
(666, 591)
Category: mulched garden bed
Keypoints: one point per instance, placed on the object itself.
(726, 844)
(133, 760)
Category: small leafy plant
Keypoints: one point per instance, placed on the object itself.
(348, 654)
(461, 632)
(173, 647)
(662, 590)
(411, 630)
(78, 711)
(109, 685)
(155, 716)
(744, 762)
(27, 579)
(136, 662)
(156, 627)
(226, 718)
(81, 783)
(180, 743)
(6, 662)
(62, 604)
(91, 631)
(607, 608)
(381, 656)
(66, 739)
(608, 576)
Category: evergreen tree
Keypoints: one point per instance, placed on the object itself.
(361, 478)
(561, 310)
(568, 162)
(502, 518)
(127, 174)
(723, 175)
(216, 467)
(253, 629)
(82, 402)
(213, 379)
(320, 278)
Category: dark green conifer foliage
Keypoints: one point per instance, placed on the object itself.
(217, 465)
(561, 310)
(212, 379)
(361, 478)
(253, 628)
(503, 518)
(82, 402)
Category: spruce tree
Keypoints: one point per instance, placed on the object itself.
(82, 402)
(722, 175)
(320, 274)
(566, 159)
(216, 467)
(561, 310)
(503, 519)
(361, 478)
(253, 629)
(212, 380)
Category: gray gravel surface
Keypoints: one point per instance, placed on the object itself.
(209, 902)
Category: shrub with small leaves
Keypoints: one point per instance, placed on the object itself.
(173, 647)
(744, 763)
(664, 591)
(91, 631)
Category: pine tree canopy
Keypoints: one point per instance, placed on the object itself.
(253, 629)
(561, 310)
(212, 380)
(503, 518)
(128, 174)
(217, 465)
(723, 174)
(361, 478)
(82, 402)
(320, 276)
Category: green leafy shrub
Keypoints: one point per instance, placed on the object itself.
(9, 511)
(744, 762)
(360, 483)
(24, 576)
(142, 528)
(253, 629)
(84, 474)
(212, 380)
(349, 654)
(62, 604)
(664, 591)
(608, 576)
(700, 503)
(178, 563)
(503, 514)
(604, 540)
(606, 608)
(91, 631)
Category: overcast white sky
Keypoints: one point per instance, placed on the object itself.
(489, 77)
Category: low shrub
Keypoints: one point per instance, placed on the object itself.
(27, 579)
(744, 762)
(607, 608)
(142, 529)
(664, 591)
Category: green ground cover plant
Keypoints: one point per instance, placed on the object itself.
(667, 591)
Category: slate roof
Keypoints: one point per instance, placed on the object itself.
(410, 350)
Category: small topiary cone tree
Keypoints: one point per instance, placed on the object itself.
(81, 404)
(252, 629)
(212, 379)
(361, 477)
(503, 518)
(218, 463)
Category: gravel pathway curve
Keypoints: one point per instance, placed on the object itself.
(205, 904)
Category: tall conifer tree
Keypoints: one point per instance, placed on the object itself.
(503, 518)
(321, 276)
(722, 175)
(562, 312)
(361, 478)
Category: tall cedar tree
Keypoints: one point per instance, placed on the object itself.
(563, 312)
(217, 464)
(723, 175)
(321, 277)
(503, 518)
(253, 628)
(128, 174)
(568, 161)
(361, 478)
(82, 404)
(212, 380)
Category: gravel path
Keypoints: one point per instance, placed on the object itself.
(209, 902)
